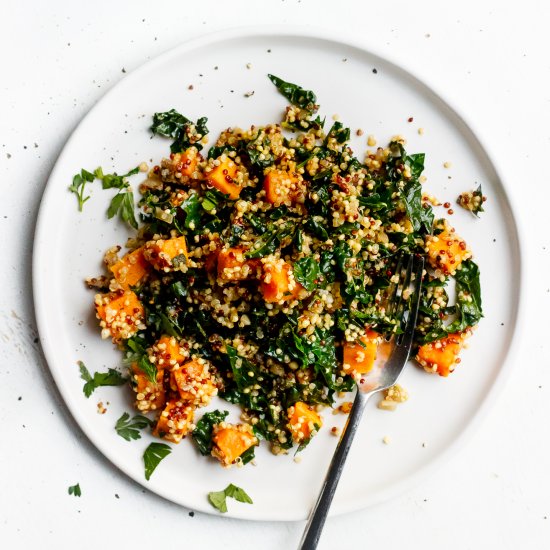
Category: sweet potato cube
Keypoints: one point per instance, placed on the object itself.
(150, 396)
(303, 421)
(181, 167)
(281, 187)
(446, 251)
(194, 382)
(441, 356)
(233, 266)
(167, 255)
(175, 421)
(168, 352)
(359, 356)
(223, 178)
(120, 314)
(130, 269)
(231, 441)
(278, 283)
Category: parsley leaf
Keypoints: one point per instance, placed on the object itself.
(218, 499)
(306, 272)
(202, 434)
(75, 490)
(129, 429)
(237, 493)
(153, 455)
(123, 202)
(110, 378)
(305, 99)
(78, 186)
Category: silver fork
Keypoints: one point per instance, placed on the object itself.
(395, 355)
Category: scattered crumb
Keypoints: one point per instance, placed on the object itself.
(116, 496)
(392, 397)
(447, 164)
(371, 141)
(190, 87)
(424, 445)
(420, 131)
(143, 167)
(335, 117)
(410, 119)
(123, 70)
(191, 514)
(375, 71)
(344, 408)
(335, 430)
(249, 94)
(359, 132)
(298, 459)
(249, 65)
(101, 409)
(386, 440)
(427, 35)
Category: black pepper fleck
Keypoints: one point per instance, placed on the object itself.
(192, 514)
(375, 71)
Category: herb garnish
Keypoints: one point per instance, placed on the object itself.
(175, 125)
(75, 490)
(218, 499)
(129, 429)
(153, 456)
(110, 378)
(78, 186)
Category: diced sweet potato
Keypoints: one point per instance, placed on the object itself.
(231, 441)
(359, 356)
(167, 255)
(175, 421)
(150, 396)
(168, 352)
(194, 382)
(441, 356)
(278, 283)
(303, 421)
(120, 314)
(233, 266)
(282, 187)
(181, 167)
(130, 269)
(446, 251)
(223, 177)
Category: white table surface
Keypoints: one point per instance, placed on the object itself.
(57, 59)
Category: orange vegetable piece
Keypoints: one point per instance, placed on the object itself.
(360, 358)
(175, 421)
(194, 383)
(281, 187)
(187, 162)
(222, 177)
(150, 396)
(303, 421)
(441, 356)
(166, 255)
(278, 283)
(231, 441)
(168, 352)
(120, 314)
(232, 265)
(181, 166)
(447, 250)
(130, 269)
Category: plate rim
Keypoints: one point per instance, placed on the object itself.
(353, 41)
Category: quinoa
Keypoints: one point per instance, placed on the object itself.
(262, 274)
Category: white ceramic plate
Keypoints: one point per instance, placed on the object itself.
(367, 92)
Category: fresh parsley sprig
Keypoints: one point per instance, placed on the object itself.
(218, 499)
(75, 490)
(78, 186)
(110, 378)
(128, 428)
(153, 456)
(123, 202)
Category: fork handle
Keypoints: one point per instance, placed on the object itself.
(319, 513)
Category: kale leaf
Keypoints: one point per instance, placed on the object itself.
(306, 272)
(305, 99)
(184, 132)
(202, 434)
